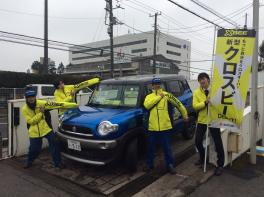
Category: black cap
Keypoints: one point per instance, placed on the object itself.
(56, 84)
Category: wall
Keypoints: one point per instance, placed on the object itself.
(18, 135)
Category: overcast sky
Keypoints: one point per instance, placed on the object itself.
(82, 21)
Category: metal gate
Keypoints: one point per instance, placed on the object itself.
(5, 95)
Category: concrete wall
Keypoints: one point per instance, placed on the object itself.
(18, 135)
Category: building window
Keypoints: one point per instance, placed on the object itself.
(173, 53)
(108, 47)
(91, 56)
(173, 45)
(138, 50)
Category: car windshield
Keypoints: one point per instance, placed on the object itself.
(115, 95)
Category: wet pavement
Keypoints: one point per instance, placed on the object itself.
(112, 179)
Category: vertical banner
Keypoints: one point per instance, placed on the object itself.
(231, 77)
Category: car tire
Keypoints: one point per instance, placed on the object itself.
(131, 155)
(189, 128)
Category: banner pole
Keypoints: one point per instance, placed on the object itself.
(206, 139)
(254, 86)
(211, 78)
(213, 54)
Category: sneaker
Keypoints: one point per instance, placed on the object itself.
(171, 169)
(27, 165)
(218, 171)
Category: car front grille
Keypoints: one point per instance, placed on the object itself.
(74, 131)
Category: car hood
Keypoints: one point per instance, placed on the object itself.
(92, 116)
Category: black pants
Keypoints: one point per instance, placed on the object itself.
(215, 132)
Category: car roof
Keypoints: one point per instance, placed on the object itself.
(143, 78)
(38, 84)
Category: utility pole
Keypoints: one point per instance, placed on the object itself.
(112, 21)
(155, 41)
(254, 87)
(110, 32)
(46, 55)
(245, 26)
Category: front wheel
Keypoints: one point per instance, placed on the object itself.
(189, 128)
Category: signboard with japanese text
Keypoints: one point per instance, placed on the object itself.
(166, 65)
(231, 77)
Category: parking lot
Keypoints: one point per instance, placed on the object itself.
(112, 179)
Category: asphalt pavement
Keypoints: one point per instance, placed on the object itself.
(240, 180)
(18, 182)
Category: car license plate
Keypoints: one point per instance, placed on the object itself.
(74, 145)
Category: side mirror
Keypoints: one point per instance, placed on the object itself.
(16, 116)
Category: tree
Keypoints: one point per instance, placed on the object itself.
(69, 65)
(37, 67)
(60, 69)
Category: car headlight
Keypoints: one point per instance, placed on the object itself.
(106, 127)
(61, 119)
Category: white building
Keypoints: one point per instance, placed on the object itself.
(133, 54)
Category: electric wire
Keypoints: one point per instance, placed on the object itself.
(67, 50)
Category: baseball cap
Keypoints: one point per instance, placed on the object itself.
(156, 81)
(30, 93)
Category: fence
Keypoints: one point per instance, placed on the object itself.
(5, 95)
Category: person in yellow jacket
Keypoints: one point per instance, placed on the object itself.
(65, 93)
(201, 100)
(159, 123)
(38, 127)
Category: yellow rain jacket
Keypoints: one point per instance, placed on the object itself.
(38, 127)
(199, 99)
(66, 94)
(159, 119)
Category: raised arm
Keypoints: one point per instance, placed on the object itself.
(175, 102)
(85, 84)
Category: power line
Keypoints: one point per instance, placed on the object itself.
(186, 9)
(67, 50)
(58, 43)
(141, 4)
(65, 43)
(192, 31)
(170, 18)
(214, 12)
(55, 17)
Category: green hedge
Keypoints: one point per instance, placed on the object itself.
(20, 80)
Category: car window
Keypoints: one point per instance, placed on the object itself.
(185, 85)
(131, 95)
(47, 90)
(176, 88)
(115, 95)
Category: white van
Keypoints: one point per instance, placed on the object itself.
(47, 91)
(42, 90)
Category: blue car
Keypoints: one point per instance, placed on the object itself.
(113, 123)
